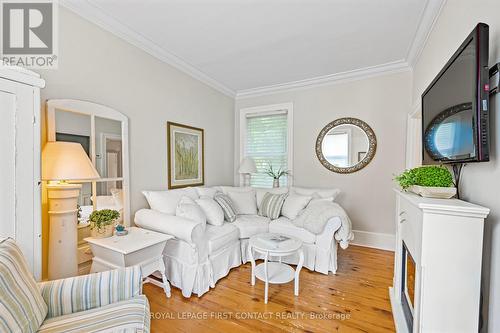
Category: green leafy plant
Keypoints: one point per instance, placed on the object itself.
(276, 174)
(430, 176)
(101, 218)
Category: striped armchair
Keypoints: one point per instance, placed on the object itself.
(109, 301)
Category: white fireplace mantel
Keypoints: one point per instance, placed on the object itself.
(445, 240)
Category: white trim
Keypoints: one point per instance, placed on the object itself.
(21, 75)
(93, 14)
(428, 19)
(353, 75)
(374, 240)
(263, 110)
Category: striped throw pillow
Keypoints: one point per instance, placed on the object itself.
(271, 205)
(22, 308)
(227, 206)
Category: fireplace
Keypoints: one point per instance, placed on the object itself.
(408, 285)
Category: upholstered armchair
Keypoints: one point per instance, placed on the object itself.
(107, 301)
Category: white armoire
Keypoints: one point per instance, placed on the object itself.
(20, 201)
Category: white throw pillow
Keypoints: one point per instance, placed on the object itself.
(188, 209)
(206, 192)
(212, 210)
(294, 204)
(316, 193)
(244, 202)
(166, 201)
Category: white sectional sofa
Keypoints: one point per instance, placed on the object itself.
(201, 254)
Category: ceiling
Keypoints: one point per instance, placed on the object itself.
(244, 47)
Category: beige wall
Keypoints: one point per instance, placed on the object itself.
(383, 102)
(95, 65)
(480, 182)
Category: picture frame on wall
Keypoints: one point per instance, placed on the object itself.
(186, 155)
(361, 155)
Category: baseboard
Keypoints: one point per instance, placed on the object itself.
(374, 239)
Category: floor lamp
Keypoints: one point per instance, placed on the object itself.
(247, 167)
(62, 162)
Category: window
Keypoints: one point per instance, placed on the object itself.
(266, 138)
(336, 148)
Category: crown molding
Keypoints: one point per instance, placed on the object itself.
(353, 75)
(428, 19)
(93, 14)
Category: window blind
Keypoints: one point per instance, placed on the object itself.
(267, 144)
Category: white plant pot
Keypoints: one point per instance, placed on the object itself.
(103, 232)
(434, 192)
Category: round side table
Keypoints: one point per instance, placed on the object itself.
(275, 272)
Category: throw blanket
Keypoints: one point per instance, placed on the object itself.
(317, 214)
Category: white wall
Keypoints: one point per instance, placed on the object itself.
(383, 102)
(95, 65)
(480, 182)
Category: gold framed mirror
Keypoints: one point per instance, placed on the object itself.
(346, 145)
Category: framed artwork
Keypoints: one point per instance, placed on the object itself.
(186, 160)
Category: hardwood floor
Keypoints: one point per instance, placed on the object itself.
(354, 300)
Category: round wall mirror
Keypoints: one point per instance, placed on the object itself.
(346, 145)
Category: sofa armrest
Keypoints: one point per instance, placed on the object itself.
(184, 229)
(91, 291)
(325, 239)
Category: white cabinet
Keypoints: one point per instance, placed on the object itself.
(437, 269)
(20, 211)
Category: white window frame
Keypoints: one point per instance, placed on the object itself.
(267, 110)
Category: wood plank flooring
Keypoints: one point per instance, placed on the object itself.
(354, 300)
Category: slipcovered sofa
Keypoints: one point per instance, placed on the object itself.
(200, 255)
(102, 302)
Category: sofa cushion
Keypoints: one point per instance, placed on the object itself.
(244, 201)
(294, 204)
(212, 210)
(22, 308)
(260, 192)
(249, 225)
(166, 201)
(227, 206)
(126, 316)
(218, 237)
(271, 205)
(316, 193)
(189, 209)
(285, 227)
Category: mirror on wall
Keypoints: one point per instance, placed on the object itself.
(346, 145)
(102, 132)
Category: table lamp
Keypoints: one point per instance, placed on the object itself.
(247, 167)
(62, 162)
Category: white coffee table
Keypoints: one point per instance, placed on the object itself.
(275, 272)
(140, 247)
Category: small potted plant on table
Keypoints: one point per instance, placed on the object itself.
(276, 174)
(102, 222)
(429, 182)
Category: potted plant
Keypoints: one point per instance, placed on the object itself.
(276, 174)
(102, 222)
(428, 181)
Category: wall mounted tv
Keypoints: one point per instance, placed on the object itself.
(455, 106)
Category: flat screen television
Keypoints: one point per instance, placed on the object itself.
(455, 106)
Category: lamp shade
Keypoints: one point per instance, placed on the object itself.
(247, 166)
(66, 161)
